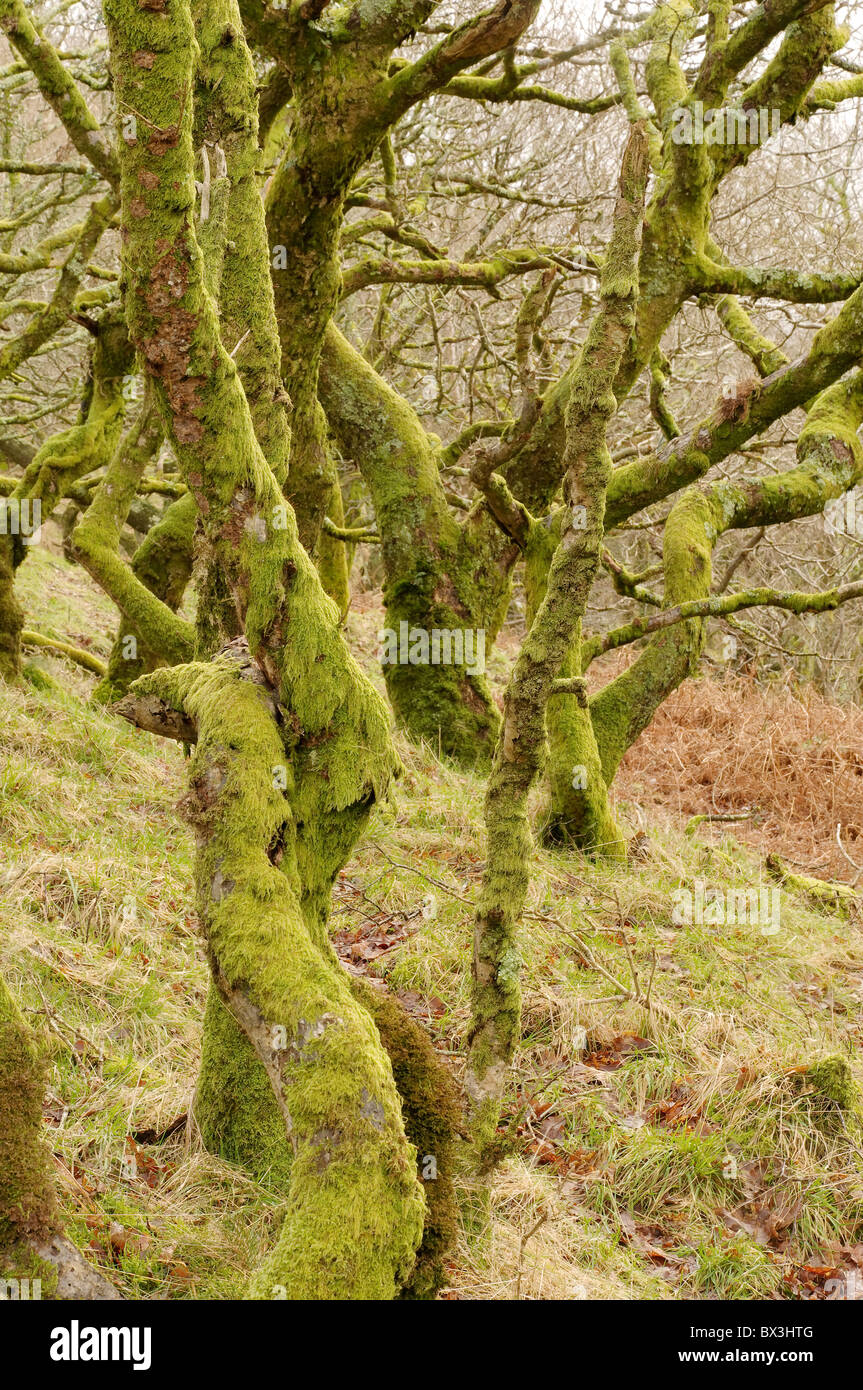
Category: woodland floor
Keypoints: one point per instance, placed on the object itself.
(660, 1152)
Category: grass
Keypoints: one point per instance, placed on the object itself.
(699, 1164)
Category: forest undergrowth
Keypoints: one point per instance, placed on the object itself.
(682, 1118)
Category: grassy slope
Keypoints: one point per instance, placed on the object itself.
(617, 1180)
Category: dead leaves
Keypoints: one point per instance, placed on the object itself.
(76, 1183)
(371, 939)
(763, 1207)
(768, 1212)
(375, 935)
(120, 1246)
(358, 946)
(139, 1166)
(669, 966)
(766, 1225)
(609, 1056)
(750, 1176)
(424, 1008)
(540, 1126)
(113, 1243)
(547, 1130)
(680, 1110)
(656, 1245)
(840, 1280)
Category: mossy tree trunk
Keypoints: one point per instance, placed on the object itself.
(520, 747)
(151, 632)
(32, 1244)
(62, 460)
(163, 565)
(355, 1211)
(11, 615)
(578, 811)
(292, 743)
(435, 579)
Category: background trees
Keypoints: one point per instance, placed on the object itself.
(317, 284)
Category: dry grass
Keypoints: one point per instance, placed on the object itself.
(788, 760)
(617, 1183)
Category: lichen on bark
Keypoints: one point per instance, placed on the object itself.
(518, 755)
(355, 1208)
(293, 744)
(32, 1244)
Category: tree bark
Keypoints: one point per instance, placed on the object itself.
(32, 1244)
(518, 755)
(293, 744)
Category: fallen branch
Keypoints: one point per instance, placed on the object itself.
(76, 654)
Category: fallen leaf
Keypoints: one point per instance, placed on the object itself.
(763, 1223)
(420, 1006)
(610, 1056)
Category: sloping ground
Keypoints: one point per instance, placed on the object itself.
(788, 763)
(664, 1140)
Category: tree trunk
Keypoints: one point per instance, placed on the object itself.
(520, 747)
(439, 576)
(578, 811)
(293, 744)
(32, 1245)
(11, 615)
(162, 564)
(355, 1209)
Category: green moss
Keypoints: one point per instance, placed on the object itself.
(432, 1119)
(162, 564)
(235, 1108)
(339, 115)
(332, 556)
(438, 575)
(40, 680)
(832, 1079)
(11, 615)
(150, 631)
(27, 1207)
(836, 897)
(452, 711)
(578, 811)
(355, 1208)
(226, 115)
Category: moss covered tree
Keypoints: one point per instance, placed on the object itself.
(32, 1244)
(269, 240)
